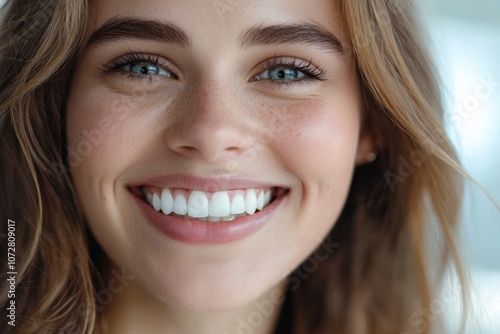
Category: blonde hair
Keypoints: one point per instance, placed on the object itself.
(373, 283)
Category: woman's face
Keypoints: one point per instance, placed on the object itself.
(246, 112)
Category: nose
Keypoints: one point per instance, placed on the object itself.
(210, 125)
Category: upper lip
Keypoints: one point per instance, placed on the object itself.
(212, 184)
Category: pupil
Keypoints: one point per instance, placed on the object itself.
(145, 68)
(282, 73)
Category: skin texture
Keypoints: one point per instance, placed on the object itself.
(211, 120)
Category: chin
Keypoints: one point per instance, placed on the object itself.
(199, 295)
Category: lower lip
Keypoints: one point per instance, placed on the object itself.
(194, 231)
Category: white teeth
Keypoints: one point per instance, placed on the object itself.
(228, 218)
(214, 219)
(267, 197)
(238, 205)
(167, 202)
(260, 201)
(149, 198)
(198, 204)
(156, 202)
(251, 202)
(219, 206)
(180, 205)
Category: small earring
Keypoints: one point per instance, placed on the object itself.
(371, 157)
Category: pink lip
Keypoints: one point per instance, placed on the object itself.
(194, 231)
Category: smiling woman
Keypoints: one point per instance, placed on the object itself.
(177, 169)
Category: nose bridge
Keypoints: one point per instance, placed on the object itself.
(211, 102)
(210, 122)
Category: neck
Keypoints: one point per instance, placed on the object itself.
(133, 311)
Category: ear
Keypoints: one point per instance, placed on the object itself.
(367, 148)
(370, 137)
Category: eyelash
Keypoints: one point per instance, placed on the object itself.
(310, 71)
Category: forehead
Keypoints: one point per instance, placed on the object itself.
(213, 21)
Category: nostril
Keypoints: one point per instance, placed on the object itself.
(186, 149)
(209, 146)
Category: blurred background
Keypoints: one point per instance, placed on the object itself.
(465, 40)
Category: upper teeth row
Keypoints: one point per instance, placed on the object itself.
(198, 204)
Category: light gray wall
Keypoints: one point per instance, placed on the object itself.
(479, 10)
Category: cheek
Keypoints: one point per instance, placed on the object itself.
(317, 140)
(105, 132)
(103, 129)
(316, 143)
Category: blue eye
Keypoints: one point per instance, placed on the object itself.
(145, 68)
(141, 66)
(281, 74)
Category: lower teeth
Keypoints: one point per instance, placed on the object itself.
(212, 219)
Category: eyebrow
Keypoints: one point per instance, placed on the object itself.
(135, 28)
(130, 28)
(303, 33)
